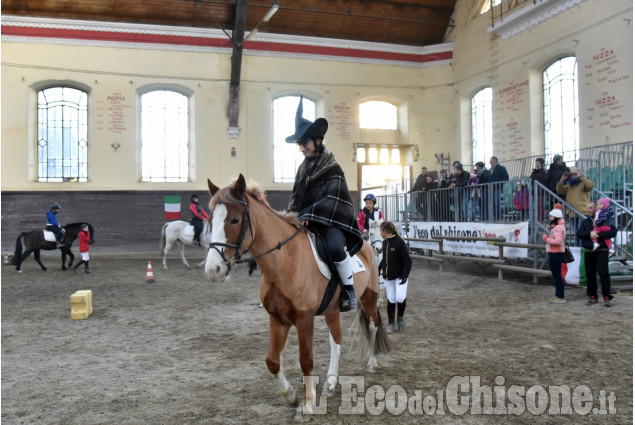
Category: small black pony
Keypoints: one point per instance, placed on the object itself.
(33, 241)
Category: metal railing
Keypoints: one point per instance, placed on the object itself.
(491, 202)
(499, 11)
(501, 202)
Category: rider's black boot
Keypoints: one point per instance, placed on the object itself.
(347, 298)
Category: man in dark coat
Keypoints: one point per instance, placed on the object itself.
(497, 174)
(556, 170)
(539, 174)
(322, 201)
(595, 261)
(483, 177)
(460, 195)
(421, 182)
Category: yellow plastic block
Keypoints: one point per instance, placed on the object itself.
(79, 306)
(89, 293)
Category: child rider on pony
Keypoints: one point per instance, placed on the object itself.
(53, 225)
(322, 201)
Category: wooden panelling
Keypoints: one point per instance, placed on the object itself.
(125, 221)
(409, 22)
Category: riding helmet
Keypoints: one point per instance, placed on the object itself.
(371, 197)
(56, 206)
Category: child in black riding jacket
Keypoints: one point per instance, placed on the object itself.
(394, 267)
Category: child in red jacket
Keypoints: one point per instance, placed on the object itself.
(84, 238)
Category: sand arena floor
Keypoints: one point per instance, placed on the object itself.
(183, 350)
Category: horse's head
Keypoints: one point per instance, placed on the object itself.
(71, 231)
(374, 235)
(231, 232)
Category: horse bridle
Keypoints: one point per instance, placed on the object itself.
(237, 257)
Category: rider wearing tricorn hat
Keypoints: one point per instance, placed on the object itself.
(322, 201)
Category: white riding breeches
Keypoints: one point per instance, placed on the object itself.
(395, 292)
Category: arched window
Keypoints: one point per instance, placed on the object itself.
(286, 156)
(560, 97)
(377, 115)
(482, 145)
(489, 4)
(165, 135)
(62, 135)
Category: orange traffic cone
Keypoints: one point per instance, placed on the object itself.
(6, 258)
(149, 276)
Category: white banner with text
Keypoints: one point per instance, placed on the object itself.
(512, 232)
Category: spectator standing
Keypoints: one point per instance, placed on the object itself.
(430, 203)
(575, 188)
(483, 177)
(596, 262)
(521, 200)
(497, 174)
(539, 174)
(394, 267)
(475, 193)
(555, 250)
(420, 183)
(458, 182)
(419, 186)
(443, 196)
(556, 170)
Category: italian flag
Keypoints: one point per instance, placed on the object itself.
(172, 207)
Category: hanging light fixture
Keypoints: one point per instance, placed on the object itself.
(268, 15)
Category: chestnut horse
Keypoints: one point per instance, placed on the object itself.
(292, 287)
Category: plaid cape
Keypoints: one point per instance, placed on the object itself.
(320, 194)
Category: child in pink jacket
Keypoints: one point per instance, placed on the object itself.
(555, 247)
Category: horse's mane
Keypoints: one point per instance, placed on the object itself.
(254, 191)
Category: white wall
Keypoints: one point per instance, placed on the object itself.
(434, 100)
(513, 68)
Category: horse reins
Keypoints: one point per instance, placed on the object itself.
(236, 258)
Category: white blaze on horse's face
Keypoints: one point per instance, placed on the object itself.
(215, 267)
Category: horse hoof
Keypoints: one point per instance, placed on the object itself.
(300, 416)
(19, 271)
(326, 391)
(331, 382)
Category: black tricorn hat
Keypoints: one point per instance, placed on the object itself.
(305, 129)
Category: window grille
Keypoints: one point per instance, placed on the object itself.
(560, 103)
(482, 145)
(286, 156)
(165, 149)
(62, 135)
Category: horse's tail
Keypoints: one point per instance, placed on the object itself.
(383, 344)
(163, 236)
(17, 254)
